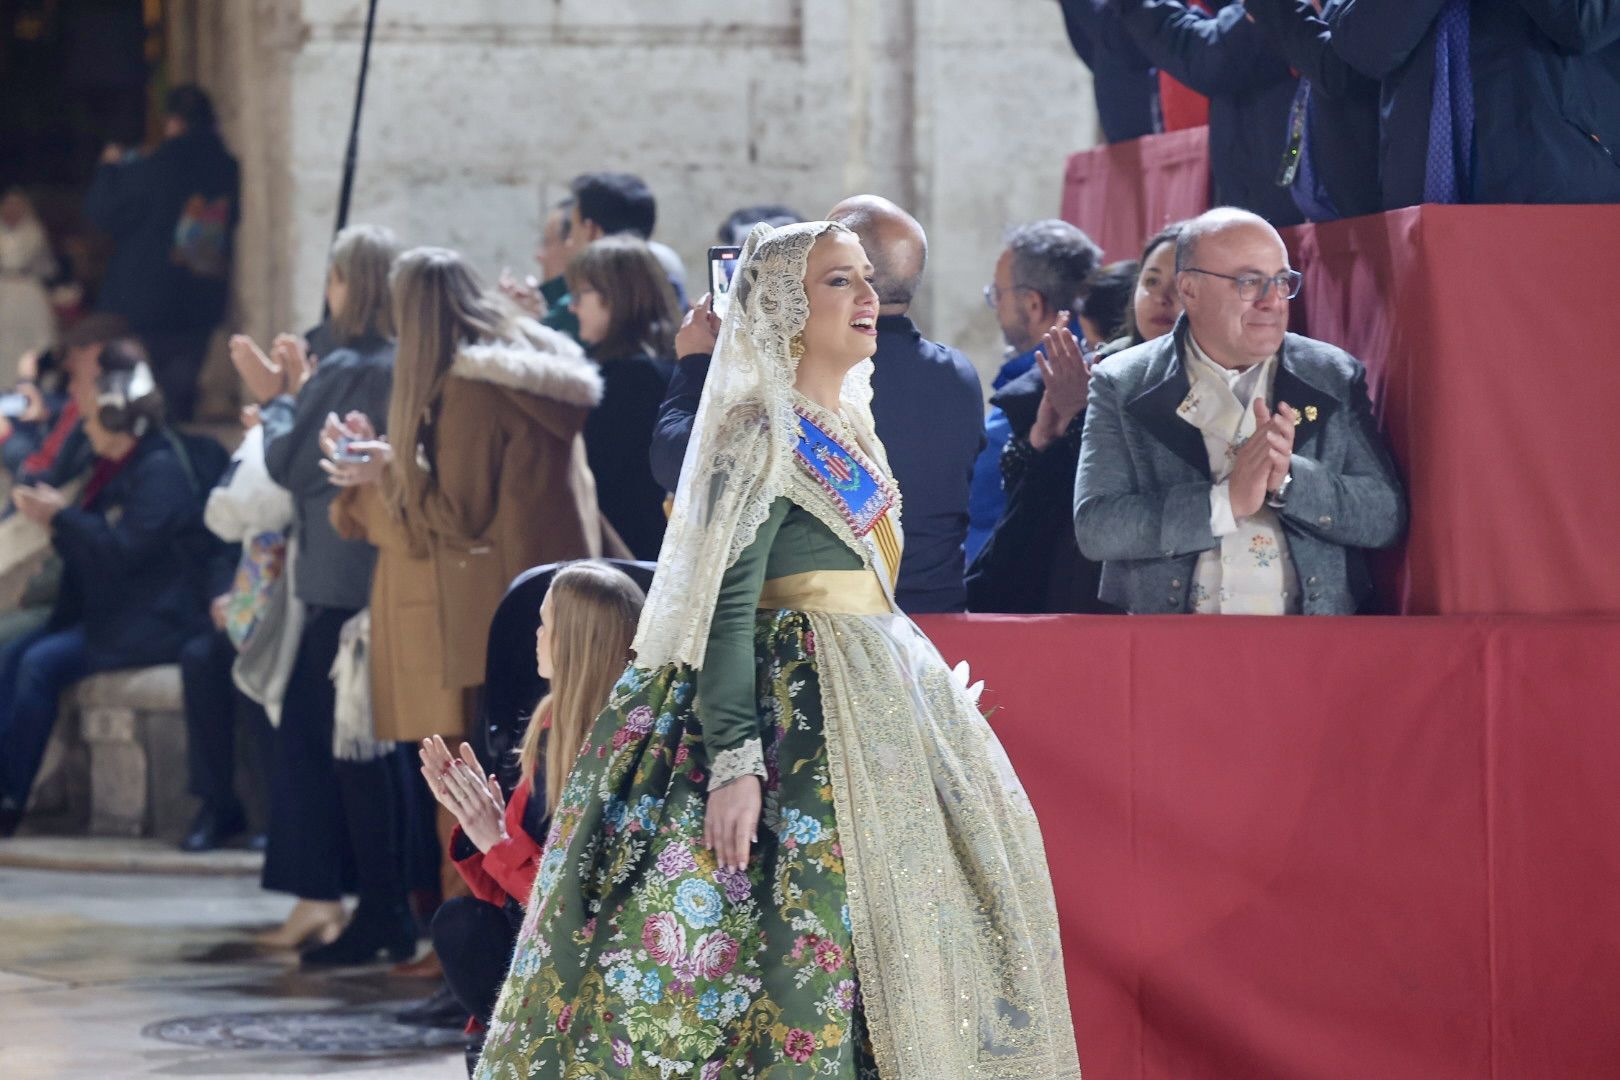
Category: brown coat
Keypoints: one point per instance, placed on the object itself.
(410, 698)
(509, 486)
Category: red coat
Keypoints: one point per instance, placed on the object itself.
(508, 868)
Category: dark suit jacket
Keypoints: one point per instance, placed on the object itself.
(1142, 494)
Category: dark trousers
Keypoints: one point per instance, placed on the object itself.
(307, 851)
(177, 360)
(374, 817)
(34, 670)
(213, 708)
(473, 940)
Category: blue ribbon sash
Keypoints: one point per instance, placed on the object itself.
(859, 495)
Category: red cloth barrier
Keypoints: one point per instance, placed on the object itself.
(1122, 193)
(1322, 847)
(1490, 337)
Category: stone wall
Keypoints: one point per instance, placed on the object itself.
(479, 112)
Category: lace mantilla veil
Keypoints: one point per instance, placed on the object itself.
(739, 459)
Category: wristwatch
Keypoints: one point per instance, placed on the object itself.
(1279, 498)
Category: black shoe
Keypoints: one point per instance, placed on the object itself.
(442, 1010)
(374, 929)
(11, 815)
(213, 828)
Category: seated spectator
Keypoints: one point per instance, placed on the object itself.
(587, 621)
(735, 229)
(1231, 467)
(1528, 110)
(1227, 58)
(1039, 276)
(1124, 82)
(133, 549)
(1104, 299)
(251, 515)
(1333, 173)
(50, 446)
(42, 384)
(1031, 564)
(627, 318)
(171, 215)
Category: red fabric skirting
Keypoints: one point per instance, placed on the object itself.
(1122, 193)
(1322, 847)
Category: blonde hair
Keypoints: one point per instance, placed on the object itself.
(594, 611)
(361, 256)
(439, 305)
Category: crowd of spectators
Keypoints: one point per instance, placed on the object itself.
(1156, 442)
(1323, 109)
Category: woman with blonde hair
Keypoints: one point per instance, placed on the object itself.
(791, 845)
(627, 321)
(319, 834)
(587, 620)
(483, 476)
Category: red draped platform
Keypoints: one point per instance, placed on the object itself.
(1491, 336)
(1322, 848)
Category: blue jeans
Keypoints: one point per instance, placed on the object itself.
(34, 670)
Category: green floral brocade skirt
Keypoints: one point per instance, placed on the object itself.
(638, 957)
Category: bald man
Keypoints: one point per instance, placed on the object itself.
(1231, 467)
(927, 402)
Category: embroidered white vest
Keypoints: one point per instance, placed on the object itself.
(1250, 572)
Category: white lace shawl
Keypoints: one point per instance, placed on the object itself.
(740, 456)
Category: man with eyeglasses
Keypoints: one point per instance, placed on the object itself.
(1231, 467)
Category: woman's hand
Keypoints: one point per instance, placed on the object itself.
(700, 330)
(355, 434)
(461, 787)
(289, 353)
(1068, 385)
(264, 380)
(39, 504)
(731, 822)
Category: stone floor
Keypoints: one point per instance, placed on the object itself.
(123, 968)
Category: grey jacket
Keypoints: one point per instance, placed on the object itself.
(1141, 495)
(332, 572)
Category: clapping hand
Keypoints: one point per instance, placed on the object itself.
(462, 788)
(1068, 384)
(290, 354)
(263, 379)
(1262, 461)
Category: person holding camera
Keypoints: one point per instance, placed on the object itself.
(134, 552)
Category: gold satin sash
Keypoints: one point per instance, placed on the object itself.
(835, 592)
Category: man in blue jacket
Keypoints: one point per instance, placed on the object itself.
(134, 553)
(1491, 101)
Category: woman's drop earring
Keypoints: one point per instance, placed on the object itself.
(796, 347)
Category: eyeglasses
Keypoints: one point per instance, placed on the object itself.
(992, 293)
(1254, 286)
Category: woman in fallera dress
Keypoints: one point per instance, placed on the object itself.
(790, 846)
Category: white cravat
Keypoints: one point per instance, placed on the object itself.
(1250, 572)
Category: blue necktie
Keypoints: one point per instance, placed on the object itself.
(1451, 112)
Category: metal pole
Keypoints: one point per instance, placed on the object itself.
(352, 158)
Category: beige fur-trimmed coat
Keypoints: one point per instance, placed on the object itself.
(509, 489)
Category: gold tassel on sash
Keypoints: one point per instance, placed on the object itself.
(888, 545)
